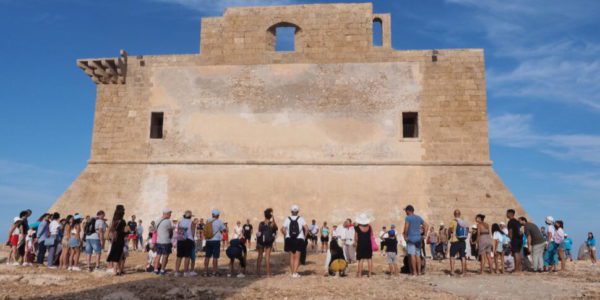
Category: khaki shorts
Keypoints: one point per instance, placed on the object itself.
(391, 257)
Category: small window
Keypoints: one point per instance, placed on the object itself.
(285, 38)
(377, 32)
(410, 125)
(156, 125)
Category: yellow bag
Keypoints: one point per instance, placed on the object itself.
(338, 265)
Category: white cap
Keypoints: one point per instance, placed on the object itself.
(549, 220)
(166, 211)
(295, 208)
(216, 212)
(502, 223)
(441, 223)
(16, 219)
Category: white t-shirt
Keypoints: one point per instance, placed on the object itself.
(551, 231)
(558, 236)
(314, 229)
(187, 225)
(348, 235)
(237, 232)
(301, 224)
(54, 227)
(164, 226)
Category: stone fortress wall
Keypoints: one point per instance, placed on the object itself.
(247, 127)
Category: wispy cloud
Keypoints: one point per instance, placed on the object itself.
(27, 184)
(216, 7)
(515, 130)
(554, 60)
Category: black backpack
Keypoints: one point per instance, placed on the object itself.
(90, 227)
(294, 228)
(266, 233)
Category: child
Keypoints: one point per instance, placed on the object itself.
(391, 245)
(151, 256)
(237, 250)
(336, 263)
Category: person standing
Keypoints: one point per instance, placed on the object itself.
(293, 230)
(213, 230)
(500, 239)
(95, 230)
(132, 232)
(237, 231)
(41, 235)
(558, 239)
(74, 243)
(590, 243)
(164, 233)
(391, 248)
(247, 233)
(313, 235)
(363, 243)
(324, 237)
(185, 244)
(15, 234)
(516, 239)
(413, 224)
(118, 234)
(458, 232)
(536, 243)
(52, 239)
(140, 235)
(382, 236)
(265, 237)
(432, 240)
(568, 243)
(347, 236)
(484, 242)
(551, 254)
(443, 239)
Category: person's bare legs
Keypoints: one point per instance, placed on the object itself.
(518, 267)
(359, 268)
(413, 264)
(177, 264)
(259, 260)
(592, 256)
(488, 256)
(215, 265)
(186, 265)
(206, 261)
(563, 261)
(296, 262)
(370, 264)
(268, 261)
(418, 263)
(451, 266)
(463, 262)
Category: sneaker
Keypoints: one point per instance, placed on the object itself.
(177, 274)
(69, 269)
(76, 269)
(52, 267)
(110, 271)
(163, 272)
(16, 264)
(241, 275)
(192, 274)
(228, 275)
(296, 275)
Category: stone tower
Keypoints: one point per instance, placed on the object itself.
(340, 125)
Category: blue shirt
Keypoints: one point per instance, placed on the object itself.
(42, 231)
(592, 242)
(414, 228)
(217, 227)
(568, 243)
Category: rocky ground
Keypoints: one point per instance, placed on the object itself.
(581, 281)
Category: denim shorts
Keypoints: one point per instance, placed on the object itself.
(413, 248)
(212, 249)
(93, 245)
(73, 242)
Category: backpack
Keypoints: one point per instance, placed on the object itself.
(462, 230)
(294, 228)
(208, 230)
(181, 231)
(90, 227)
(266, 233)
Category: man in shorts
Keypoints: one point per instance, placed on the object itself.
(293, 230)
(132, 237)
(516, 238)
(213, 244)
(313, 234)
(247, 233)
(458, 244)
(413, 226)
(94, 239)
(164, 246)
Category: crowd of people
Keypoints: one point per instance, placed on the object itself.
(517, 245)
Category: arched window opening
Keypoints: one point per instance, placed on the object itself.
(285, 36)
(377, 32)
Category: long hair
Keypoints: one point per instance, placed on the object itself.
(590, 236)
(118, 215)
(334, 247)
(496, 227)
(42, 217)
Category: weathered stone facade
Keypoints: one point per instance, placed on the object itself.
(247, 127)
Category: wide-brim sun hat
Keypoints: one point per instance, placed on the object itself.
(549, 220)
(363, 219)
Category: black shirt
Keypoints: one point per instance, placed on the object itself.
(515, 228)
(247, 230)
(391, 245)
(132, 226)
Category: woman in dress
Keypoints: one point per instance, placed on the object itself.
(363, 243)
(75, 243)
(591, 245)
(118, 232)
(324, 237)
(66, 251)
(265, 238)
(484, 243)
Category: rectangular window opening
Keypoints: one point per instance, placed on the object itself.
(156, 125)
(410, 125)
(285, 38)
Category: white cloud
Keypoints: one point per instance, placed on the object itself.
(514, 130)
(555, 61)
(217, 7)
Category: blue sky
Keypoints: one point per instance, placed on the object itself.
(543, 80)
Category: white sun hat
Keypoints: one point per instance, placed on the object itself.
(363, 219)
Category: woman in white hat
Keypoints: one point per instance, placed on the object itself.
(16, 231)
(363, 244)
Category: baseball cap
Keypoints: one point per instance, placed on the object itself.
(77, 217)
(216, 212)
(549, 220)
(393, 226)
(392, 232)
(295, 208)
(166, 211)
